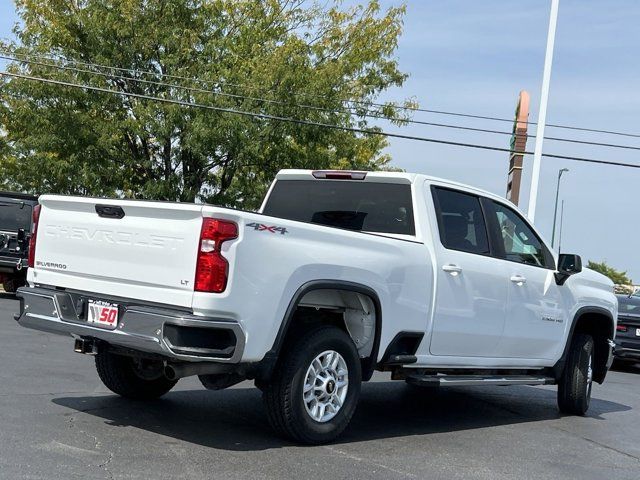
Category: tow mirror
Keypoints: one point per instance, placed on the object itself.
(568, 264)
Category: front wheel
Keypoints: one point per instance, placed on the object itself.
(315, 388)
(135, 378)
(574, 387)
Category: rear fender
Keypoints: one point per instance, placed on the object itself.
(269, 361)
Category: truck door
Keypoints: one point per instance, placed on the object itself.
(471, 287)
(536, 316)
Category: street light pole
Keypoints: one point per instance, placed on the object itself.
(542, 113)
(555, 208)
(561, 221)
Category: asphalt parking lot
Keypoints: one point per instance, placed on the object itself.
(57, 421)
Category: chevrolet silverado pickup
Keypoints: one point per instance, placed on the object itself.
(338, 274)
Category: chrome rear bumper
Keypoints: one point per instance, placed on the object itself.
(174, 334)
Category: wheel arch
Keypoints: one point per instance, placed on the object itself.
(600, 324)
(287, 324)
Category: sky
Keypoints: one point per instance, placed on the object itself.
(475, 56)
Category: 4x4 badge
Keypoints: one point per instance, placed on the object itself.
(260, 227)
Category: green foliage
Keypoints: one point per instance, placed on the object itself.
(616, 276)
(69, 140)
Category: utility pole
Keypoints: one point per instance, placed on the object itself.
(555, 208)
(542, 114)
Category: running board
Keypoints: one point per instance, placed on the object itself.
(473, 380)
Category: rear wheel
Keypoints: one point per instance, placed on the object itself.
(10, 285)
(13, 283)
(574, 387)
(135, 378)
(315, 388)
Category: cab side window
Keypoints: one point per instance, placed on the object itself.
(521, 244)
(461, 221)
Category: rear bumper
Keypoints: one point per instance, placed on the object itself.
(626, 353)
(173, 334)
(11, 264)
(627, 345)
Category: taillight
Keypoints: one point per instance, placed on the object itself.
(621, 328)
(212, 268)
(34, 234)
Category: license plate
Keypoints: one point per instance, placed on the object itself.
(637, 332)
(103, 314)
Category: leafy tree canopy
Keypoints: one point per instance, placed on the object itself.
(229, 53)
(616, 276)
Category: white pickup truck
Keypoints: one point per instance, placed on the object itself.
(339, 274)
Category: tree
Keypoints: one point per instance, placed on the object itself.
(616, 276)
(229, 54)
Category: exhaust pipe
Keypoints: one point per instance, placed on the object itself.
(175, 371)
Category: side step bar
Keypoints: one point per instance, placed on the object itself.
(474, 380)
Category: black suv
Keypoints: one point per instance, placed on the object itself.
(16, 217)
(628, 331)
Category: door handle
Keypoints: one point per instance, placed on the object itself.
(518, 279)
(452, 269)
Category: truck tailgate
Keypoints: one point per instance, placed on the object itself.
(149, 254)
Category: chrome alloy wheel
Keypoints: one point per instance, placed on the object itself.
(325, 386)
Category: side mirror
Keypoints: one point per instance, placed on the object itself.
(568, 264)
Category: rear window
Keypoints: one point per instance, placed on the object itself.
(360, 206)
(14, 216)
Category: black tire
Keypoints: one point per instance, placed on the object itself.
(574, 387)
(137, 379)
(283, 394)
(10, 285)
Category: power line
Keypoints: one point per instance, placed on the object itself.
(236, 96)
(224, 94)
(162, 75)
(312, 107)
(365, 104)
(265, 116)
(499, 119)
(162, 84)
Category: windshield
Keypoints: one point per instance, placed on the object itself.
(14, 216)
(361, 206)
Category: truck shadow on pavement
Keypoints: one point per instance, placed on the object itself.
(235, 419)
